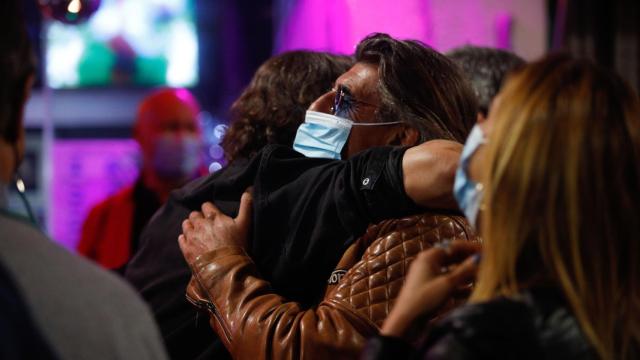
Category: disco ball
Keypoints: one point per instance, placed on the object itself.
(69, 11)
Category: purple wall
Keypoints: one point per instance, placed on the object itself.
(338, 25)
(85, 172)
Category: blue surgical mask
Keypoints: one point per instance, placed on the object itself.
(467, 192)
(177, 158)
(324, 135)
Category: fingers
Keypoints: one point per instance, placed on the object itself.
(460, 250)
(195, 215)
(187, 226)
(441, 257)
(209, 210)
(433, 258)
(464, 273)
(244, 213)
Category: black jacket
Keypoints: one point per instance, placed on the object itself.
(536, 326)
(306, 212)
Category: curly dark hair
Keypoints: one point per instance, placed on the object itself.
(486, 68)
(273, 105)
(420, 87)
(17, 65)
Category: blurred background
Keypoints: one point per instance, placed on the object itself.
(99, 58)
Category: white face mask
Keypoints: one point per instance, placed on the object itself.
(324, 135)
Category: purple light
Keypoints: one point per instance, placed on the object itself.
(337, 26)
(85, 172)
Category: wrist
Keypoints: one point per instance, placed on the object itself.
(397, 324)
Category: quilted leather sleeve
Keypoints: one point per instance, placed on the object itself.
(372, 284)
(255, 323)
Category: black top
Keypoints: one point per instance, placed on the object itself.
(536, 326)
(145, 203)
(306, 213)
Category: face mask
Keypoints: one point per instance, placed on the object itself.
(176, 158)
(467, 192)
(324, 135)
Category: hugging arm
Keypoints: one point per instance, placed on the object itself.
(429, 171)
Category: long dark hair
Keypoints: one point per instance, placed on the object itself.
(273, 105)
(420, 87)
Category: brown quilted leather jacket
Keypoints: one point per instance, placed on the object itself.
(255, 323)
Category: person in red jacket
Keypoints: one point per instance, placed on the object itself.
(170, 140)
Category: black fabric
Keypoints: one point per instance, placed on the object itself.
(306, 213)
(536, 326)
(387, 347)
(20, 337)
(146, 203)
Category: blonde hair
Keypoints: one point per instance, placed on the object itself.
(562, 197)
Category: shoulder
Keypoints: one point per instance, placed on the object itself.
(27, 252)
(71, 298)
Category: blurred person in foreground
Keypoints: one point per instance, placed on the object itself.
(54, 304)
(553, 176)
(382, 144)
(170, 140)
(268, 112)
(486, 69)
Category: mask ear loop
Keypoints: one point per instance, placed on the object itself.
(21, 188)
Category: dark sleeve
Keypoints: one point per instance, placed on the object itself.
(160, 274)
(308, 211)
(498, 329)
(386, 347)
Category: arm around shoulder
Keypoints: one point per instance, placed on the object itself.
(429, 171)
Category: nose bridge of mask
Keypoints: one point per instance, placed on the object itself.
(377, 124)
(314, 117)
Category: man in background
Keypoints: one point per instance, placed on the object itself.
(485, 68)
(170, 140)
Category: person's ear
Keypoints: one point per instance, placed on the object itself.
(410, 136)
(404, 136)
